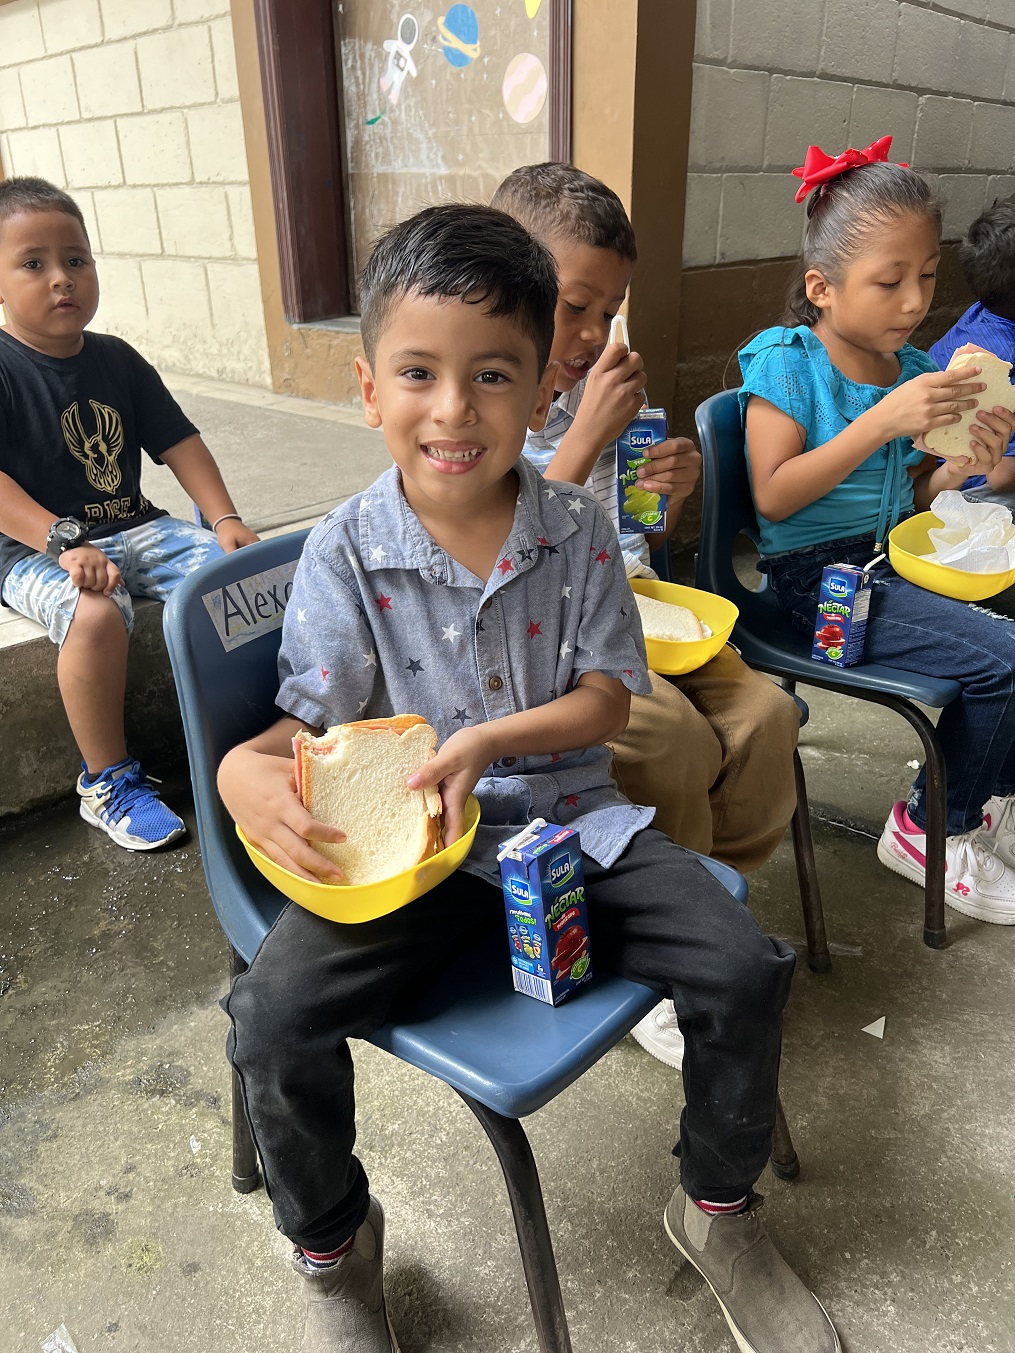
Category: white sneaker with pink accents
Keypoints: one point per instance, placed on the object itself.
(978, 882)
(998, 829)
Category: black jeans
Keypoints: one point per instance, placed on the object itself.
(656, 917)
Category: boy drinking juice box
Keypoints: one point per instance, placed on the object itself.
(544, 895)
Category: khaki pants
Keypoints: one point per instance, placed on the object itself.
(712, 752)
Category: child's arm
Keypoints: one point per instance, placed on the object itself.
(23, 519)
(257, 782)
(596, 711)
(613, 395)
(783, 480)
(1002, 477)
(194, 466)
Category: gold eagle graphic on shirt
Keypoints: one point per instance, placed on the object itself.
(99, 450)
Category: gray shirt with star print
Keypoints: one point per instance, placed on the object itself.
(382, 621)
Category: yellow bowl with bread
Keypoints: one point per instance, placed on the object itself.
(909, 542)
(351, 904)
(677, 657)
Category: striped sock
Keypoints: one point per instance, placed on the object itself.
(721, 1209)
(330, 1259)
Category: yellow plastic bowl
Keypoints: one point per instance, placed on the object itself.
(909, 541)
(365, 902)
(667, 656)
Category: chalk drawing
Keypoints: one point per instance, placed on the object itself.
(524, 87)
(400, 62)
(458, 31)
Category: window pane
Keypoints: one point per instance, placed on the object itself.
(439, 103)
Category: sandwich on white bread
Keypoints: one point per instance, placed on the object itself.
(952, 442)
(667, 621)
(353, 777)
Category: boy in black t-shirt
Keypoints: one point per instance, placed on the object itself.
(78, 538)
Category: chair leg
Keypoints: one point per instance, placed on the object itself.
(818, 957)
(246, 1175)
(934, 933)
(785, 1162)
(515, 1155)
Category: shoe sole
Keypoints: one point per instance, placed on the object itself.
(962, 904)
(94, 821)
(742, 1342)
(667, 1058)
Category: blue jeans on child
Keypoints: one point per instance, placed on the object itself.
(152, 560)
(934, 636)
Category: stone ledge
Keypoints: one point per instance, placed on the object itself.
(40, 759)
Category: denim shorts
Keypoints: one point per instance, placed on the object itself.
(151, 558)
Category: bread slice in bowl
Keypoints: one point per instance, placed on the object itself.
(353, 777)
(667, 621)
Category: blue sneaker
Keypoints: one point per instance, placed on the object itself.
(125, 804)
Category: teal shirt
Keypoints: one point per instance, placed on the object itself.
(792, 370)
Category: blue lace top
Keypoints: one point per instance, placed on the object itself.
(792, 370)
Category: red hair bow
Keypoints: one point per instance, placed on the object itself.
(819, 168)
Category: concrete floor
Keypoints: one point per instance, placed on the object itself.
(117, 1219)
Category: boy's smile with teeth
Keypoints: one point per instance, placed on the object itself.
(453, 453)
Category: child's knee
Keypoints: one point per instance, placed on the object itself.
(758, 975)
(97, 619)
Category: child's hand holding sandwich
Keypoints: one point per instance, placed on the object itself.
(257, 782)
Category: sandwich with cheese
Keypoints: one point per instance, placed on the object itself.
(353, 777)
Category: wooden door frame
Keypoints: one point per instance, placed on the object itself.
(301, 85)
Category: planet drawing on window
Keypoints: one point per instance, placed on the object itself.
(524, 87)
(458, 31)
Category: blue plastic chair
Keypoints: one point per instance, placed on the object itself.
(506, 1055)
(768, 641)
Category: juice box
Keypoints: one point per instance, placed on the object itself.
(841, 626)
(639, 509)
(544, 897)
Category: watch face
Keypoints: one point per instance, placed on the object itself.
(64, 535)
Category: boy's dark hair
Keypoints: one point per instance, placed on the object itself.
(473, 254)
(843, 215)
(557, 201)
(987, 255)
(19, 195)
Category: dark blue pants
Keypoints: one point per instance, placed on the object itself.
(934, 636)
(656, 917)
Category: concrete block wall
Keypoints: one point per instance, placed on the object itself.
(133, 107)
(771, 76)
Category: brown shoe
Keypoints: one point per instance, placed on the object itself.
(346, 1312)
(765, 1304)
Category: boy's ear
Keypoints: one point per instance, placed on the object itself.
(817, 288)
(544, 398)
(368, 391)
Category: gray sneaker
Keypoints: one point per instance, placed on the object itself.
(345, 1304)
(765, 1304)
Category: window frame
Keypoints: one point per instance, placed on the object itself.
(300, 77)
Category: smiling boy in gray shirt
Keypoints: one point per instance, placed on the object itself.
(464, 588)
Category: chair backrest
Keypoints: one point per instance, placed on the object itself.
(223, 630)
(727, 512)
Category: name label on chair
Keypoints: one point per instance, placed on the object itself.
(246, 609)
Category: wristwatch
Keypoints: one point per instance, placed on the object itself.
(66, 533)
